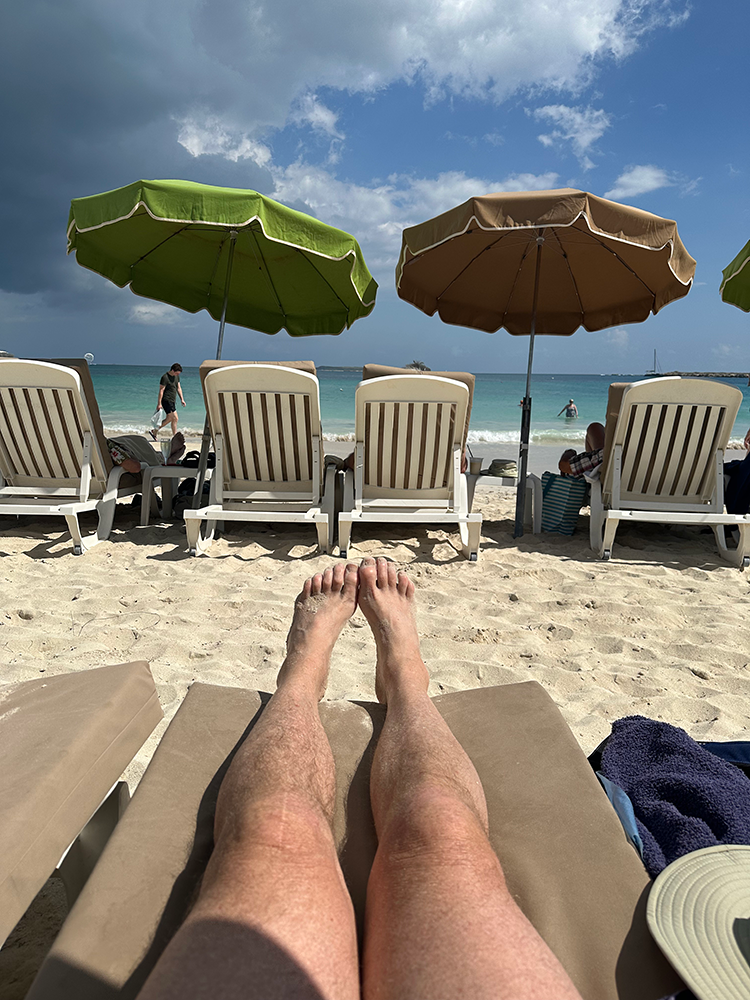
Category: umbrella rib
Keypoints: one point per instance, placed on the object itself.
(321, 275)
(570, 271)
(264, 270)
(490, 246)
(616, 255)
(161, 244)
(515, 280)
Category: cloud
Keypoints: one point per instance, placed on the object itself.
(581, 127)
(642, 179)
(378, 213)
(618, 338)
(211, 136)
(235, 81)
(149, 313)
(727, 351)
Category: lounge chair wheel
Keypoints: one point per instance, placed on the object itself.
(342, 553)
(472, 557)
(193, 552)
(77, 550)
(746, 562)
(607, 555)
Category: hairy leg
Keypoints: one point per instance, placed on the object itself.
(440, 921)
(274, 918)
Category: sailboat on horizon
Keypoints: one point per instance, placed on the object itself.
(655, 370)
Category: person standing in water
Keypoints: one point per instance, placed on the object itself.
(169, 388)
(570, 410)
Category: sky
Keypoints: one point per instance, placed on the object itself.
(372, 117)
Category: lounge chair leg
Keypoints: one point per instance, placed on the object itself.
(75, 533)
(608, 538)
(470, 536)
(737, 557)
(193, 530)
(106, 511)
(323, 535)
(84, 852)
(345, 534)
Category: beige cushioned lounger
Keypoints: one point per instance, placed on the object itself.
(563, 850)
(64, 742)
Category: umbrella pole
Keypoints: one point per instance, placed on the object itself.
(523, 450)
(203, 460)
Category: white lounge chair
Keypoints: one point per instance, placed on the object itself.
(265, 423)
(54, 459)
(663, 461)
(409, 439)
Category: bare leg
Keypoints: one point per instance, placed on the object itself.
(594, 437)
(440, 921)
(274, 918)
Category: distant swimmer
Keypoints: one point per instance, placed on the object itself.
(570, 410)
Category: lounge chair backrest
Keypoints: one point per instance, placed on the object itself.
(378, 371)
(47, 435)
(268, 420)
(670, 434)
(409, 430)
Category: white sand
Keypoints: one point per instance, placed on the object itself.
(661, 630)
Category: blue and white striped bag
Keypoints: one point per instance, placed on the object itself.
(563, 497)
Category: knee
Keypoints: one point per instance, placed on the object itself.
(435, 825)
(594, 437)
(277, 823)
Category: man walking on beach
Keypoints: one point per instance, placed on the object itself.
(169, 387)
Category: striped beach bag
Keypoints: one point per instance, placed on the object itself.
(563, 497)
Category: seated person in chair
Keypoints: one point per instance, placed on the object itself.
(577, 464)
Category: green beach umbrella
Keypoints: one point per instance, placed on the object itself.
(243, 257)
(735, 288)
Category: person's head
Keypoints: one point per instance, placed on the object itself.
(569, 401)
(178, 368)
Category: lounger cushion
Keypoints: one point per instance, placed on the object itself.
(64, 742)
(562, 847)
(377, 371)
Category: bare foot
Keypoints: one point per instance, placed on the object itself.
(322, 608)
(386, 597)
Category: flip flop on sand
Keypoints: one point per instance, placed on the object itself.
(152, 432)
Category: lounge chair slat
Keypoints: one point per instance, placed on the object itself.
(12, 438)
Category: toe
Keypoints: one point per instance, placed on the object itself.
(316, 583)
(351, 578)
(306, 590)
(327, 580)
(368, 573)
(382, 571)
(403, 583)
(337, 581)
(392, 576)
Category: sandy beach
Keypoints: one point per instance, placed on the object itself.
(661, 630)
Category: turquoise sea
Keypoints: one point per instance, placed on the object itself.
(127, 397)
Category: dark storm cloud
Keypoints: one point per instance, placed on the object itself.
(97, 94)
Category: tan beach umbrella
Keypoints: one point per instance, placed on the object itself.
(542, 262)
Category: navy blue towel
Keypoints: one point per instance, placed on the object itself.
(684, 797)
